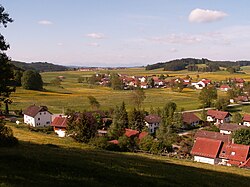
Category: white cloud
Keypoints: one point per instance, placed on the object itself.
(95, 35)
(60, 44)
(45, 22)
(204, 16)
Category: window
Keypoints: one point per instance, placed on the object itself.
(40, 113)
(38, 118)
(44, 113)
(47, 122)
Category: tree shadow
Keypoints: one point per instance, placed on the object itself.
(50, 165)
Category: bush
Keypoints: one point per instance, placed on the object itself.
(99, 142)
(6, 136)
(146, 143)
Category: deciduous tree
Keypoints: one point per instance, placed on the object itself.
(207, 96)
(32, 80)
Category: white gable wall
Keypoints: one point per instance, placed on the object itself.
(42, 119)
(206, 160)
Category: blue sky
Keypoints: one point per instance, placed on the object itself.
(127, 32)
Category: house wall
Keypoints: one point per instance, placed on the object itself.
(210, 119)
(206, 160)
(29, 120)
(60, 132)
(246, 123)
(43, 119)
(225, 132)
(152, 127)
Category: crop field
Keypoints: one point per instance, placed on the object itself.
(46, 160)
(73, 95)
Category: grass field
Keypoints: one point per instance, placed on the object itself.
(46, 160)
(73, 95)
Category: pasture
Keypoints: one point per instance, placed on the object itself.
(46, 160)
(73, 95)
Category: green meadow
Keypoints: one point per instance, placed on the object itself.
(73, 95)
(46, 160)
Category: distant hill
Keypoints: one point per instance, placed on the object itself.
(180, 64)
(39, 66)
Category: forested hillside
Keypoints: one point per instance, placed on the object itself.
(39, 66)
(191, 64)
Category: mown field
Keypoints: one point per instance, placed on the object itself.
(46, 160)
(73, 95)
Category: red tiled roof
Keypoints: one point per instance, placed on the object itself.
(235, 152)
(114, 142)
(217, 114)
(189, 117)
(224, 86)
(231, 127)
(130, 132)
(206, 147)
(238, 80)
(59, 122)
(142, 135)
(152, 118)
(242, 98)
(206, 81)
(213, 135)
(33, 110)
(246, 117)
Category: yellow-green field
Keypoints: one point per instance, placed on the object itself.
(73, 95)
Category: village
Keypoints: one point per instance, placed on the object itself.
(208, 146)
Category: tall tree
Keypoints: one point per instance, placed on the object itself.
(242, 136)
(116, 82)
(207, 95)
(237, 118)
(137, 120)
(82, 126)
(120, 122)
(6, 70)
(137, 97)
(93, 102)
(32, 80)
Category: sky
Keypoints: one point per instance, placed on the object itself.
(112, 33)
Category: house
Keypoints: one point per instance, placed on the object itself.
(212, 151)
(218, 117)
(152, 121)
(131, 133)
(238, 82)
(144, 85)
(246, 120)
(37, 116)
(213, 135)
(227, 128)
(241, 99)
(246, 164)
(206, 150)
(225, 87)
(201, 84)
(234, 154)
(190, 120)
(59, 125)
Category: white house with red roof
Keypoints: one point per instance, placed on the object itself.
(152, 121)
(206, 150)
(201, 84)
(213, 151)
(246, 120)
(225, 87)
(37, 116)
(218, 117)
(59, 125)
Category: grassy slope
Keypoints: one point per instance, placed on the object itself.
(36, 162)
(73, 95)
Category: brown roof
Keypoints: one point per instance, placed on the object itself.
(212, 135)
(142, 135)
(152, 118)
(246, 117)
(33, 110)
(206, 147)
(231, 127)
(189, 117)
(59, 122)
(235, 152)
(217, 114)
